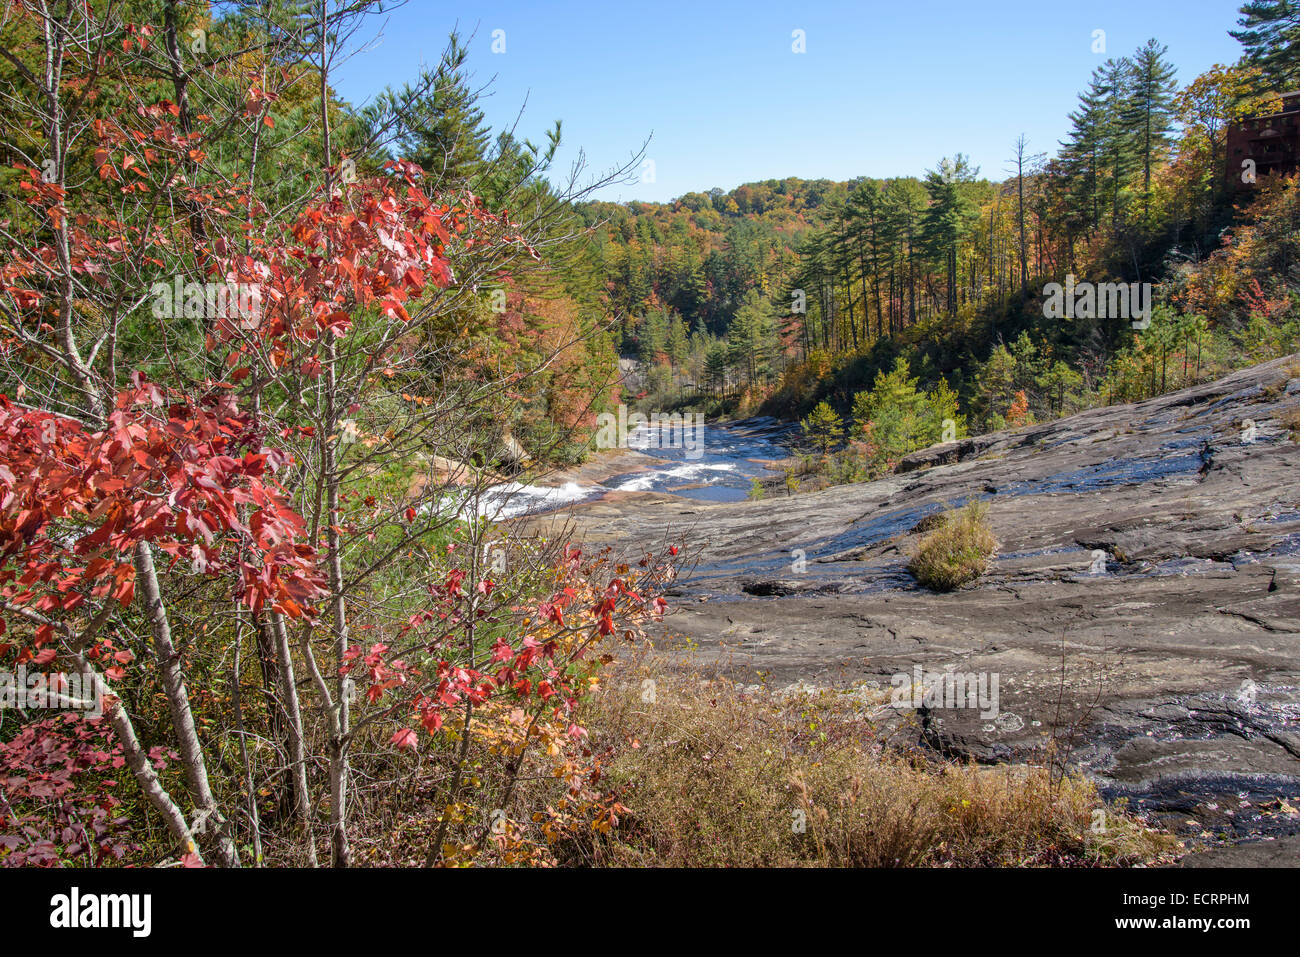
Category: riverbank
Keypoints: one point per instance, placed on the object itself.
(1146, 595)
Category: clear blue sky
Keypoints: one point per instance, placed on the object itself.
(885, 88)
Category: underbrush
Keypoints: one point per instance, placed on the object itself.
(693, 770)
(710, 774)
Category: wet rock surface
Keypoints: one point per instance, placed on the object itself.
(1144, 602)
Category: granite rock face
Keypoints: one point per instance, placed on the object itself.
(1145, 599)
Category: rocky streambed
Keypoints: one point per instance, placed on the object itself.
(1144, 602)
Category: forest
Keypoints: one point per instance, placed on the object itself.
(255, 344)
(783, 295)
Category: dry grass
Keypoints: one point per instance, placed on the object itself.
(957, 551)
(711, 776)
(1290, 421)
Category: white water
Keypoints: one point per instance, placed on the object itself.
(721, 470)
(513, 499)
(708, 473)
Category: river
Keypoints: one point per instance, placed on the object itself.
(720, 468)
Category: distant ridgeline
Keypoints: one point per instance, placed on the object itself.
(699, 255)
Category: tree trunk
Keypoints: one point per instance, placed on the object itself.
(178, 702)
(297, 744)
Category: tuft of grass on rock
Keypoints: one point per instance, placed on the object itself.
(958, 551)
(1291, 422)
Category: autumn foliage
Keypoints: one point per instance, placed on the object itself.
(206, 515)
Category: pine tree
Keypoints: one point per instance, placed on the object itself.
(1059, 382)
(1099, 154)
(652, 338)
(896, 417)
(1271, 35)
(1082, 153)
(995, 386)
(949, 217)
(906, 199)
(865, 217)
(1148, 112)
(436, 120)
(751, 338)
(715, 367)
(678, 345)
(823, 428)
(1118, 137)
(942, 410)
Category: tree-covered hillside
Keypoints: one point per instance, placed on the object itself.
(781, 294)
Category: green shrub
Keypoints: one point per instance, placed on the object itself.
(895, 418)
(823, 428)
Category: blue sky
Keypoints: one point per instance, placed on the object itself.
(885, 88)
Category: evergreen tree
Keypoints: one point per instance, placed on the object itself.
(949, 218)
(823, 428)
(865, 213)
(1149, 110)
(1099, 155)
(1059, 383)
(1082, 152)
(751, 338)
(995, 387)
(715, 367)
(1029, 362)
(1270, 32)
(438, 122)
(896, 417)
(1118, 138)
(941, 409)
(679, 343)
(906, 202)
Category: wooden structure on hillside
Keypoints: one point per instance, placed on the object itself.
(1264, 145)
